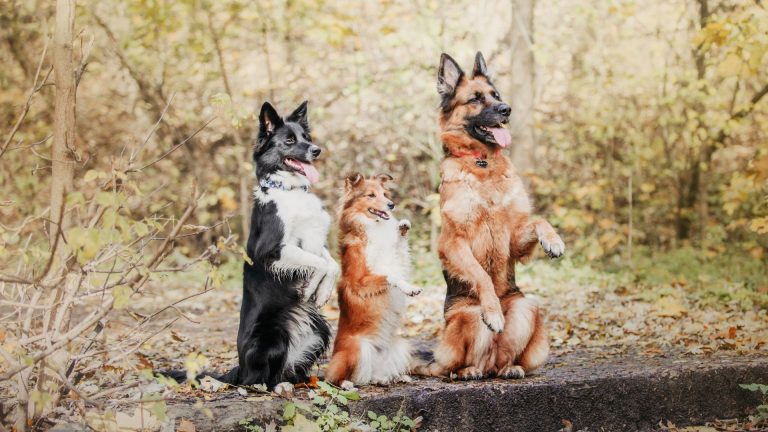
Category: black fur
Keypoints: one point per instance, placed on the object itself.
(280, 138)
(271, 303)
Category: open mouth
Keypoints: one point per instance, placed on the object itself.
(499, 133)
(382, 214)
(304, 168)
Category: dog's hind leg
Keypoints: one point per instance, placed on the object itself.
(537, 350)
(465, 341)
(344, 361)
(462, 264)
(262, 360)
(524, 345)
(309, 338)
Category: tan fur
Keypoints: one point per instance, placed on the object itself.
(365, 301)
(486, 229)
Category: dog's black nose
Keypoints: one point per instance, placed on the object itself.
(503, 109)
(315, 150)
(391, 205)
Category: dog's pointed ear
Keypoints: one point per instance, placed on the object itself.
(269, 120)
(480, 68)
(300, 116)
(383, 178)
(352, 181)
(448, 76)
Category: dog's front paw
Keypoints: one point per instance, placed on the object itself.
(511, 372)
(404, 226)
(325, 289)
(553, 245)
(405, 287)
(493, 319)
(309, 288)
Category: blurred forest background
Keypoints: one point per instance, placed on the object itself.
(641, 127)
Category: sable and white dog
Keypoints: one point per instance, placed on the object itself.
(282, 333)
(375, 264)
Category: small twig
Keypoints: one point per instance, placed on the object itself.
(152, 131)
(186, 140)
(28, 103)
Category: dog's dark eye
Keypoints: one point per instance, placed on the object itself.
(290, 141)
(371, 195)
(477, 99)
(496, 95)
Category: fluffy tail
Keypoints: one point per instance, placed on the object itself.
(423, 363)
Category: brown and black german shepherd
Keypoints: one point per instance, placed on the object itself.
(491, 328)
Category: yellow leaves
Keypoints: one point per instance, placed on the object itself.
(185, 426)
(121, 295)
(759, 225)
(194, 364)
(714, 33)
(244, 254)
(301, 424)
(647, 187)
(220, 99)
(226, 198)
(141, 419)
(734, 65)
(91, 175)
(759, 168)
(212, 385)
(669, 307)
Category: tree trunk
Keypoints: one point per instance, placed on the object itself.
(521, 92)
(63, 148)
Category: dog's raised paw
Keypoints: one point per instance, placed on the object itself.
(409, 290)
(493, 320)
(511, 372)
(404, 226)
(554, 248)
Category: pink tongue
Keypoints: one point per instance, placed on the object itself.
(502, 136)
(310, 171)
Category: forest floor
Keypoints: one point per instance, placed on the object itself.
(609, 315)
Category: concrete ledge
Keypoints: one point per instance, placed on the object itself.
(618, 394)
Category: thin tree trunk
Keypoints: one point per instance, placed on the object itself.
(62, 151)
(62, 179)
(521, 95)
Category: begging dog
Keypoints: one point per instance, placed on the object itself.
(491, 328)
(282, 333)
(375, 266)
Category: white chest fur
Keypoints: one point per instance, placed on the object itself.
(305, 221)
(387, 251)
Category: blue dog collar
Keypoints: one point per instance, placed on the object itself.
(268, 183)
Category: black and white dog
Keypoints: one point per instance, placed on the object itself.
(282, 333)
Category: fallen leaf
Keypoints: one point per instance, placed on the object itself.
(669, 307)
(212, 385)
(185, 426)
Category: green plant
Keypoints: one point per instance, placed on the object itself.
(762, 409)
(325, 413)
(248, 425)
